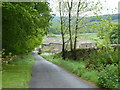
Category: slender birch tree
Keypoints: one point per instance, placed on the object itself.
(62, 31)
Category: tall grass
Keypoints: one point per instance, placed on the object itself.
(76, 67)
(97, 69)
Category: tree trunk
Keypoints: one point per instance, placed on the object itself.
(62, 33)
(76, 29)
(70, 32)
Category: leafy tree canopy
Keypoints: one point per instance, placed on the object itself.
(24, 25)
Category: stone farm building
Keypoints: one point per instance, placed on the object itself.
(55, 44)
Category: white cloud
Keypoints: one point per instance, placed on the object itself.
(109, 4)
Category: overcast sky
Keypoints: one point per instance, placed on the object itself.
(110, 4)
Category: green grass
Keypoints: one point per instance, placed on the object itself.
(87, 36)
(76, 67)
(0, 80)
(116, 20)
(84, 36)
(0, 73)
(17, 74)
(54, 35)
(80, 36)
(105, 77)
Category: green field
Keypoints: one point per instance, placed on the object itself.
(17, 74)
(84, 36)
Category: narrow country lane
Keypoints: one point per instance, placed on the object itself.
(48, 75)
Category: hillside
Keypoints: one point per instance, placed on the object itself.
(114, 18)
(55, 27)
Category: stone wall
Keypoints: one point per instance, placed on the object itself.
(57, 47)
(53, 47)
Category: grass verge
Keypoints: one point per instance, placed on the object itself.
(17, 74)
(76, 67)
(106, 77)
(0, 80)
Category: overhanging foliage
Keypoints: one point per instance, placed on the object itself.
(23, 25)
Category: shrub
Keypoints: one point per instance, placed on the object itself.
(102, 75)
(114, 34)
(103, 58)
(108, 77)
(7, 58)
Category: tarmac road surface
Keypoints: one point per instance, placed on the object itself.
(48, 75)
